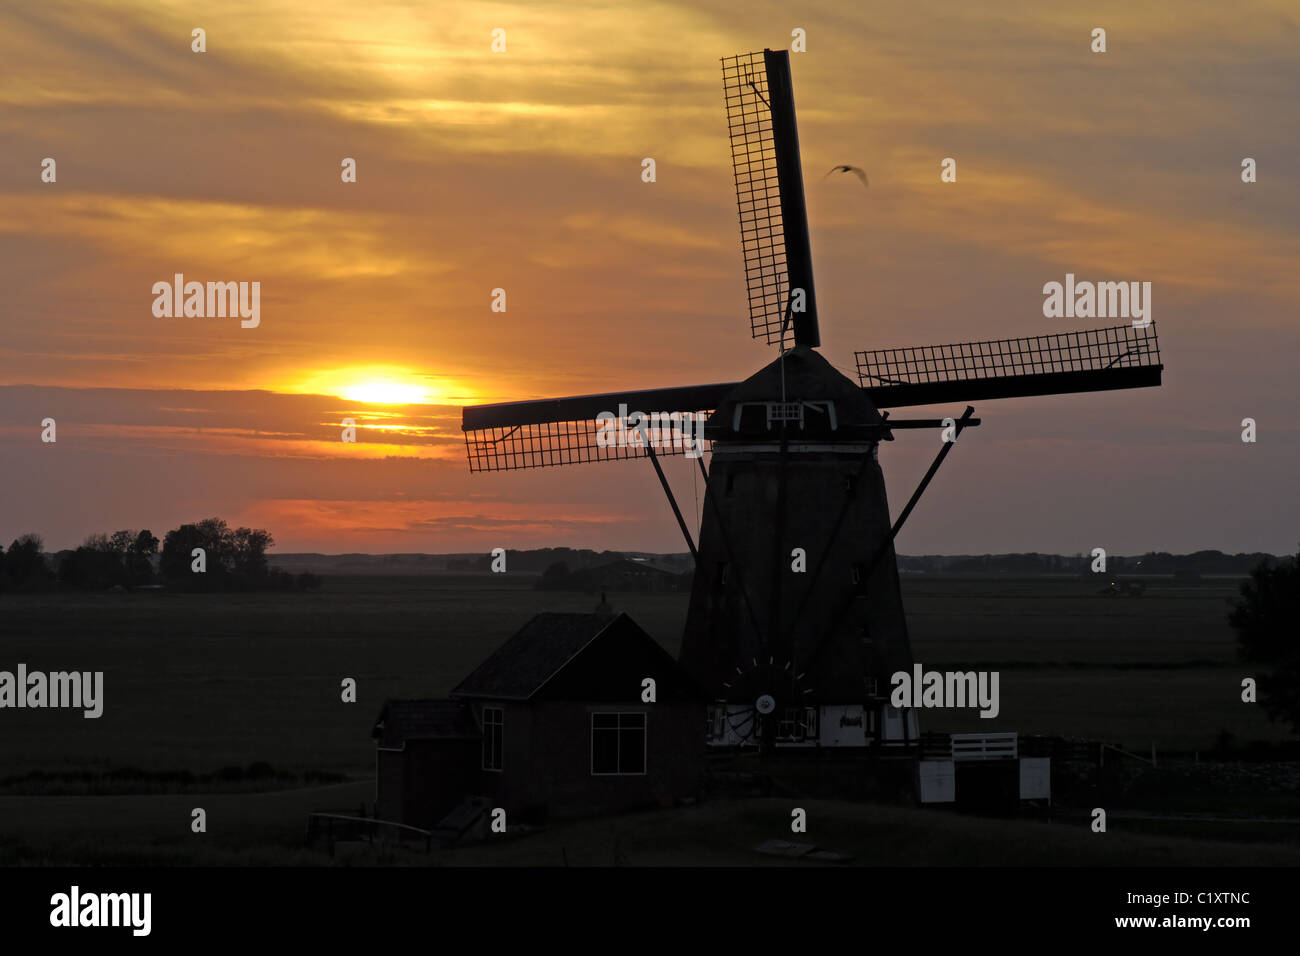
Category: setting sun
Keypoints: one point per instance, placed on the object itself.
(386, 393)
(384, 385)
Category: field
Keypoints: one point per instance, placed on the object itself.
(152, 830)
(202, 683)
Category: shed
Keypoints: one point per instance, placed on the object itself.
(585, 713)
(425, 753)
(575, 714)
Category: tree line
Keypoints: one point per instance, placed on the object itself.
(207, 555)
(1030, 563)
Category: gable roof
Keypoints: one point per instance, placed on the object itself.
(424, 720)
(533, 655)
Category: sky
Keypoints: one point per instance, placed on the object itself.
(521, 170)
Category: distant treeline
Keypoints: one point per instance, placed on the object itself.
(233, 559)
(540, 560)
(237, 559)
(1153, 562)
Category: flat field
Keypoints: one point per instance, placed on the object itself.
(198, 683)
(202, 682)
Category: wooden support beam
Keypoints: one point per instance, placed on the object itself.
(677, 512)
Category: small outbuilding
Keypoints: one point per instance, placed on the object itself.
(576, 714)
(425, 752)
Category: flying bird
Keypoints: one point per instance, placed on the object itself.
(856, 171)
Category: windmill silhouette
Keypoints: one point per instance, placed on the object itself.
(789, 654)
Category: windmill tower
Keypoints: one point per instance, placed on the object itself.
(796, 620)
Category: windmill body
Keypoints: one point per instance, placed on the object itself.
(796, 619)
(786, 607)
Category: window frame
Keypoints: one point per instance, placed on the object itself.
(498, 745)
(799, 724)
(617, 730)
(716, 721)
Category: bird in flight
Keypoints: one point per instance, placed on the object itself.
(855, 170)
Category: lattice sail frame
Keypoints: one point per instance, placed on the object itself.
(549, 444)
(758, 193)
(1093, 350)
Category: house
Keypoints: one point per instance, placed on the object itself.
(576, 714)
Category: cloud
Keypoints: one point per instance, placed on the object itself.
(521, 171)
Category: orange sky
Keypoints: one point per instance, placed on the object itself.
(521, 171)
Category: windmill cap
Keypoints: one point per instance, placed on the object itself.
(834, 407)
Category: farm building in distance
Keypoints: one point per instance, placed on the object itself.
(554, 723)
(625, 574)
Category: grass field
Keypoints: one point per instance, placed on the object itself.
(154, 830)
(203, 682)
(200, 682)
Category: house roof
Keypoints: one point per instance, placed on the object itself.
(537, 651)
(424, 720)
(627, 566)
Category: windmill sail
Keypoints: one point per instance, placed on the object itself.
(1125, 356)
(769, 196)
(567, 431)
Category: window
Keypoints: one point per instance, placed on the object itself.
(617, 744)
(717, 721)
(493, 722)
(719, 580)
(799, 723)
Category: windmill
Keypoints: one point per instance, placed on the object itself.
(796, 621)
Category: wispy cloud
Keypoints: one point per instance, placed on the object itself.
(521, 171)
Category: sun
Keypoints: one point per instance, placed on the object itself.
(386, 392)
(384, 385)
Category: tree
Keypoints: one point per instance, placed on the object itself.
(219, 542)
(122, 558)
(25, 561)
(232, 558)
(96, 564)
(119, 542)
(139, 557)
(249, 548)
(177, 557)
(1267, 620)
